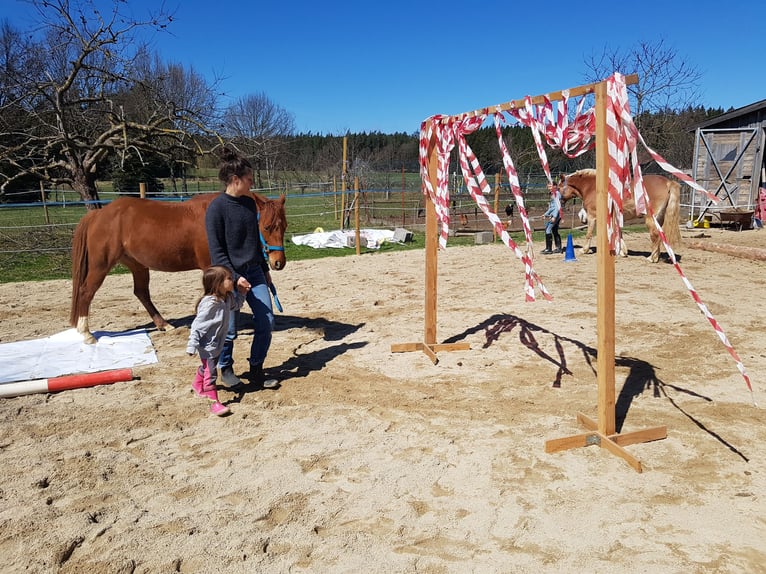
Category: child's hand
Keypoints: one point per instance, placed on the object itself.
(243, 285)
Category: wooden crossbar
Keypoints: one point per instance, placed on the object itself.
(552, 96)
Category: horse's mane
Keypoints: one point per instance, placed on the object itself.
(270, 209)
(587, 172)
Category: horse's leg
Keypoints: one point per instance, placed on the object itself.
(93, 280)
(589, 234)
(667, 216)
(87, 277)
(654, 235)
(623, 246)
(87, 291)
(141, 291)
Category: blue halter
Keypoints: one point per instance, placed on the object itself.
(265, 246)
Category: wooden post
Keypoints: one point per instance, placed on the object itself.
(335, 195)
(604, 274)
(356, 217)
(142, 190)
(432, 256)
(45, 205)
(343, 184)
(429, 345)
(404, 183)
(603, 431)
(497, 201)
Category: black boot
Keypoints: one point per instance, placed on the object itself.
(557, 240)
(256, 375)
(548, 243)
(258, 379)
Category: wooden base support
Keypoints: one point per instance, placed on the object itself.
(430, 349)
(613, 442)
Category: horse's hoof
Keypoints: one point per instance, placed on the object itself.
(89, 339)
(166, 327)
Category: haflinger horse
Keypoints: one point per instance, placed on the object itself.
(664, 195)
(145, 234)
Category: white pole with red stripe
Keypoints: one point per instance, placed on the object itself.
(66, 383)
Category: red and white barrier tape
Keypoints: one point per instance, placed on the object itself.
(513, 180)
(574, 138)
(477, 186)
(623, 135)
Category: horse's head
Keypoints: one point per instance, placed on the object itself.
(567, 190)
(272, 223)
(580, 184)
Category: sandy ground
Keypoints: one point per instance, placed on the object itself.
(371, 461)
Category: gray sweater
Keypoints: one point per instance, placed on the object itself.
(209, 328)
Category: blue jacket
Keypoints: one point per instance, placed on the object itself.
(554, 207)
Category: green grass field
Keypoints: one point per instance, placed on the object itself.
(35, 241)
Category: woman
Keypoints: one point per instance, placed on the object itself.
(231, 222)
(552, 220)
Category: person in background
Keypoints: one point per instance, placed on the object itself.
(509, 215)
(208, 332)
(234, 240)
(552, 218)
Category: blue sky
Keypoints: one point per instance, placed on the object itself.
(358, 66)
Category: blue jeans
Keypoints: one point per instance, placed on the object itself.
(552, 227)
(259, 300)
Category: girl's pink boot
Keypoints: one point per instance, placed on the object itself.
(219, 409)
(211, 394)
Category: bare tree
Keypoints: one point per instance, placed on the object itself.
(191, 97)
(260, 128)
(665, 80)
(81, 94)
(667, 84)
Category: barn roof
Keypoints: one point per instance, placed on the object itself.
(743, 111)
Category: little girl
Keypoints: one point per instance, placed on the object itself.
(208, 331)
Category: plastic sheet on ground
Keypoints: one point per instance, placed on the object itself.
(65, 353)
(370, 238)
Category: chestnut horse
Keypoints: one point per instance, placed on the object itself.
(664, 195)
(145, 234)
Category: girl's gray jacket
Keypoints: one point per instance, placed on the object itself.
(209, 328)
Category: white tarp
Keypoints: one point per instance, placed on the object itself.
(65, 353)
(371, 238)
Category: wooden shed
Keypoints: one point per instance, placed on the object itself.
(729, 162)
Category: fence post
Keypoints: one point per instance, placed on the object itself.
(356, 216)
(497, 199)
(142, 190)
(335, 195)
(404, 183)
(45, 205)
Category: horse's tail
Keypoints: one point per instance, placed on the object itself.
(672, 224)
(79, 264)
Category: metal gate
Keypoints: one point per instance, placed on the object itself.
(728, 163)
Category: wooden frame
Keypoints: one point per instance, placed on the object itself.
(603, 431)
